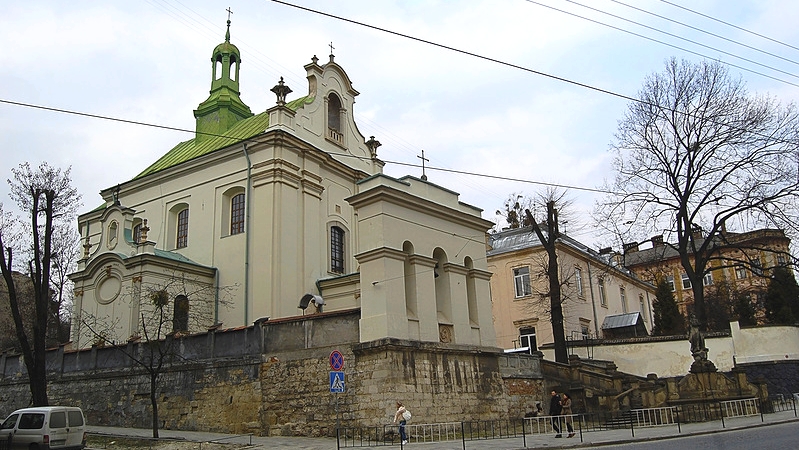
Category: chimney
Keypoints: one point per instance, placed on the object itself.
(696, 232)
(605, 251)
(630, 247)
(657, 241)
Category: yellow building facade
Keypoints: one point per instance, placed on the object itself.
(743, 261)
(594, 288)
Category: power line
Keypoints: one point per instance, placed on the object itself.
(705, 32)
(521, 68)
(728, 24)
(678, 37)
(663, 43)
(515, 66)
(475, 55)
(233, 138)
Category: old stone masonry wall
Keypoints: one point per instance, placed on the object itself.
(275, 380)
(224, 398)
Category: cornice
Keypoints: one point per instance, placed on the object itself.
(381, 252)
(383, 193)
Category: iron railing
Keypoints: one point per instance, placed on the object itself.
(678, 415)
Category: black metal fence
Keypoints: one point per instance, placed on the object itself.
(464, 432)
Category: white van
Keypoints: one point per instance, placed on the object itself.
(45, 427)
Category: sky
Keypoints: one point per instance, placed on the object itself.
(546, 114)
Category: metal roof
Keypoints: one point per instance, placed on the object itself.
(621, 320)
(242, 130)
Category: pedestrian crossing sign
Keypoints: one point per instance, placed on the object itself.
(337, 381)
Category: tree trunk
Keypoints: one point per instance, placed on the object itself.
(553, 277)
(154, 401)
(558, 335)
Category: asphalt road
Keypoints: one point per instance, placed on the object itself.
(774, 437)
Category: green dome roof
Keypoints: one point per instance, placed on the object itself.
(226, 47)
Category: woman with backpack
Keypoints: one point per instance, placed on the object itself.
(403, 415)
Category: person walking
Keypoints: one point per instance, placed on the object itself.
(400, 416)
(554, 411)
(566, 410)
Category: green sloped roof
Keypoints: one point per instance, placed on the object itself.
(243, 129)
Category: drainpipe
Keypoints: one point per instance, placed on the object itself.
(216, 295)
(593, 301)
(247, 197)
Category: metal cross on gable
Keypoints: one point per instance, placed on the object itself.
(331, 47)
(424, 176)
(229, 12)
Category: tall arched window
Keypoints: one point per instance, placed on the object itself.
(336, 250)
(237, 214)
(180, 314)
(183, 229)
(333, 112)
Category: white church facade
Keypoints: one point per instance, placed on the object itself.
(278, 214)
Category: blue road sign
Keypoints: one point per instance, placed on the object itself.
(337, 382)
(336, 360)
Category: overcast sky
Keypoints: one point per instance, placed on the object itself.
(149, 61)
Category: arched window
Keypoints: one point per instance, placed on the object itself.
(180, 314)
(183, 229)
(336, 249)
(237, 214)
(333, 112)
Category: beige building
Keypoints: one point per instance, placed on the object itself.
(598, 294)
(278, 214)
(743, 260)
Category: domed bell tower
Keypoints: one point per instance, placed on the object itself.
(223, 108)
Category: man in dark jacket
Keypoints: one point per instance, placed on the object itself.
(554, 411)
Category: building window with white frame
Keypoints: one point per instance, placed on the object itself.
(707, 280)
(740, 272)
(603, 296)
(578, 281)
(642, 306)
(623, 296)
(670, 283)
(686, 282)
(527, 339)
(521, 281)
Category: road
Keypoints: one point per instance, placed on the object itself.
(775, 437)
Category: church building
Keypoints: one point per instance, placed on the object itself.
(277, 214)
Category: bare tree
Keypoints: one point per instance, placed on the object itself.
(520, 211)
(169, 308)
(47, 196)
(513, 211)
(697, 152)
(66, 252)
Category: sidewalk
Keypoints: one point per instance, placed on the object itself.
(594, 438)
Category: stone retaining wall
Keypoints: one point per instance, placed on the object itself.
(279, 382)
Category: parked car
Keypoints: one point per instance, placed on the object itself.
(44, 428)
